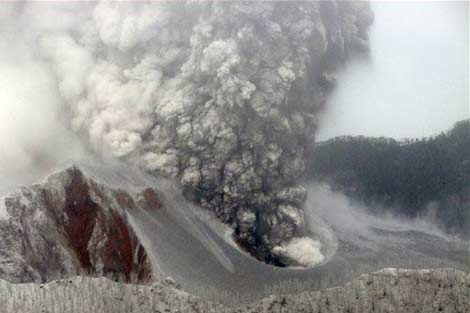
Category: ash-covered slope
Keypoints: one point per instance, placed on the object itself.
(112, 219)
(220, 95)
(389, 290)
(72, 224)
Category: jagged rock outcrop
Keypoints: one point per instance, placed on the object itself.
(386, 291)
(222, 96)
(70, 224)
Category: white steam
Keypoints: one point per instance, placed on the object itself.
(303, 250)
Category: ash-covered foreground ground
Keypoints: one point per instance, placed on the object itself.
(388, 290)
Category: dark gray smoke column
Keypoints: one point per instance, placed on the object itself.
(236, 128)
(222, 96)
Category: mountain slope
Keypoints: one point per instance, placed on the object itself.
(411, 178)
(70, 224)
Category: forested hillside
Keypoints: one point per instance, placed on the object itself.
(411, 177)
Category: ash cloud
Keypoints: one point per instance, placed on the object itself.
(221, 96)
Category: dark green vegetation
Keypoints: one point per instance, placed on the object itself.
(410, 178)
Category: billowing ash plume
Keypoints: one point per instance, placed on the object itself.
(221, 96)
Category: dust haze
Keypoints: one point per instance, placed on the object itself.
(33, 132)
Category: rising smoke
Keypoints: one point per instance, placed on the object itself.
(221, 96)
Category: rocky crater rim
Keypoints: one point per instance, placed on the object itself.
(299, 253)
(71, 223)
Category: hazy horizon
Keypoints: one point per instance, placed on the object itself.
(415, 93)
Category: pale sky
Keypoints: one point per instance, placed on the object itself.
(415, 82)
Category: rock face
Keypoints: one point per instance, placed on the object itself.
(68, 225)
(391, 291)
(220, 95)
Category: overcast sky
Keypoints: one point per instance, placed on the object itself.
(415, 82)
